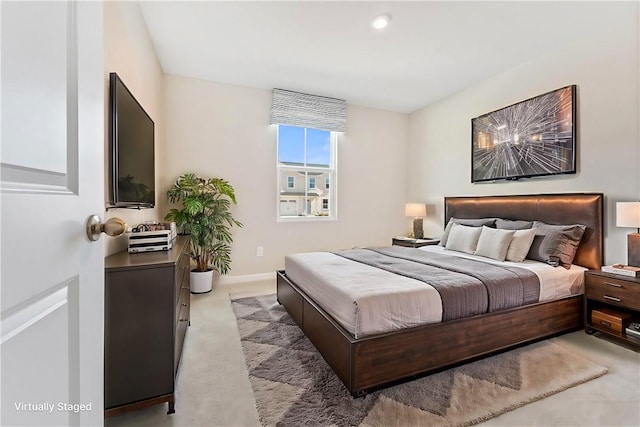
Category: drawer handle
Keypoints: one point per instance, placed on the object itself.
(184, 320)
(612, 298)
(615, 285)
(605, 323)
(185, 305)
(184, 287)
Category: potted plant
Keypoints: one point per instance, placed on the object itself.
(206, 216)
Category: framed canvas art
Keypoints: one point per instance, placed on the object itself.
(535, 137)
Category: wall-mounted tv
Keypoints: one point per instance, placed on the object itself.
(131, 134)
(535, 137)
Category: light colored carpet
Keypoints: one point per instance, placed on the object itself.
(293, 385)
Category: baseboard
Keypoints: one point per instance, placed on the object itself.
(228, 280)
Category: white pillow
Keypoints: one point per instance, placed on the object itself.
(478, 222)
(494, 243)
(520, 244)
(463, 238)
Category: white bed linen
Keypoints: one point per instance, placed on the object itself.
(366, 300)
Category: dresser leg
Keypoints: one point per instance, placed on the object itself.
(172, 407)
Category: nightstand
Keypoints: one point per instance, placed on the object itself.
(611, 291)
(413, 243)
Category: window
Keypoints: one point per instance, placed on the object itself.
(310, 155)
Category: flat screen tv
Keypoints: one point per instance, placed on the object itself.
(131, 133)
(532, 138)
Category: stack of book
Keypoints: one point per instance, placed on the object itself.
(633, 330)
(625, 270)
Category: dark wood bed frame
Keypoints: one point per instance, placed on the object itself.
(370, 362)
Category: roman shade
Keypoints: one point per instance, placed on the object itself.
(311, 111)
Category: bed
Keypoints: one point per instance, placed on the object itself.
(368, 361)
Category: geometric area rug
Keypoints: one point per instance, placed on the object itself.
(294, 386)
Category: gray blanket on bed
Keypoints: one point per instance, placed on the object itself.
(466, 287)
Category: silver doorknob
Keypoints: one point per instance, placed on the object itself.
(112, 227)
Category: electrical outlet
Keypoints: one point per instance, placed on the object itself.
(259, 251)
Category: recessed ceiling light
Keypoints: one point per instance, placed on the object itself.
(380, 21)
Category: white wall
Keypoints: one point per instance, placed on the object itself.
(222, 130)
(130, 53)
(605, 69)
(385, 159)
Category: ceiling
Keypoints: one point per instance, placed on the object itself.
(429, 50)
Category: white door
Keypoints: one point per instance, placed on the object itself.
(52, 154)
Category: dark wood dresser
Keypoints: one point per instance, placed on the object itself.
(146, 314)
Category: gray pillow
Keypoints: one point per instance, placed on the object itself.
(509, 224)
(489, 222)
(555, 244)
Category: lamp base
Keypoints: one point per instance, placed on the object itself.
(418, 232)
(633, 249)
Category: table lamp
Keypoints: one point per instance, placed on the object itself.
(628, 215)
(417, 211)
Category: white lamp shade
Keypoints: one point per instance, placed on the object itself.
(628, 214)
(415, 209)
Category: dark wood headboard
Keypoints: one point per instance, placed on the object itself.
(570, 208)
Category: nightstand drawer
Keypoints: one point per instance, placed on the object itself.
(613, 291)
(611, 319)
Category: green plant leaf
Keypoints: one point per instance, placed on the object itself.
(206, 215)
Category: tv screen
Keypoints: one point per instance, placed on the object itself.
(132, 149)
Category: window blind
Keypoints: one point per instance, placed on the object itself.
(311, 111)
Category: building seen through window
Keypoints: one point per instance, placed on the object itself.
(306, 157)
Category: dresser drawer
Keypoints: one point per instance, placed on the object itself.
(184, 302)
(613, 291)
(183, 272)
(182, 322)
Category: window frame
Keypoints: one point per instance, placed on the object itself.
(282, 169)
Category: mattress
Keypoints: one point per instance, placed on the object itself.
(367, 300)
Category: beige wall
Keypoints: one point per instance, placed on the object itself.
(130, 53)
(385, 159)
(222, 130)
(605, 69)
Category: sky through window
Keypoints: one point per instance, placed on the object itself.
(291, 146)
